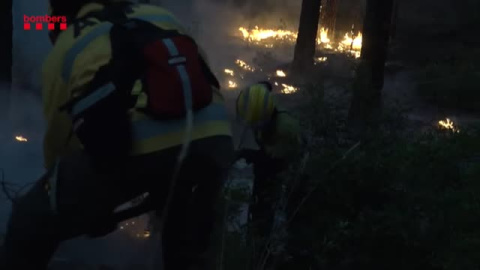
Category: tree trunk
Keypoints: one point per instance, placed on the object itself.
(307, 36)
(6, 55)
(366, 103)
(393, 31)
(329, 16)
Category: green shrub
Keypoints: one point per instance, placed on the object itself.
(455, 84)
(401, 200)
(408, 204)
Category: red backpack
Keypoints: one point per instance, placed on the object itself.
(174, 77)
(172, 71)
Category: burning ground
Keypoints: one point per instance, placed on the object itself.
(272, 50)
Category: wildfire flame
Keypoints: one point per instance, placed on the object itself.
(288, 89)
(351, 44)
(323, 36)
(355, 43)
(448, 124)
(229, 72)
(259, 34)
(281, 73)
(21, 139)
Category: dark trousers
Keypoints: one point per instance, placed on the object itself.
(265, 196)
(86, 199)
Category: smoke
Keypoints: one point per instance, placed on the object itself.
(21, 161)
(213, 24)
(21, 111)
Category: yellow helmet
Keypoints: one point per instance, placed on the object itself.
(255, 105)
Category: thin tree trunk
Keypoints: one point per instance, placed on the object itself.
(6, 54)
(329, 16)
(307, 36)
(393, 31)
(367, 98)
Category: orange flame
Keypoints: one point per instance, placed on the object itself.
(349, 44)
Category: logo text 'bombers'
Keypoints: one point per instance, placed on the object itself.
(51, 21)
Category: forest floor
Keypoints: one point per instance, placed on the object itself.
(336, 74)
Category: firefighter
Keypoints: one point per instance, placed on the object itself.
(80, 191)
(277, 134)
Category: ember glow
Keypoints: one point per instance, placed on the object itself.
(229, 72)
(244, 65)
(448, 124)
(232, 84)
(321, 59)
(288, 89)
(135, 230)
(21, 139)
(281, 73)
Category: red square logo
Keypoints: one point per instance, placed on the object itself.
(51, 26)
(26, 26)
(63, 26)
(38, 26)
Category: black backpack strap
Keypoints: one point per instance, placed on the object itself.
(208, 72)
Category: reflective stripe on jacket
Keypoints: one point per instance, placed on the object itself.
(73, 62)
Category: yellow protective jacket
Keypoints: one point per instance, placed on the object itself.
(282, 139)
(73, 62)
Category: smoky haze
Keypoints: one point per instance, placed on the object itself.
(213, 23)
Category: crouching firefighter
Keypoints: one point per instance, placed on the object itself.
(278, 136)
(132, 108)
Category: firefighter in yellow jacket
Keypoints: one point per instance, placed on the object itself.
(278, 135)
(80, 191)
